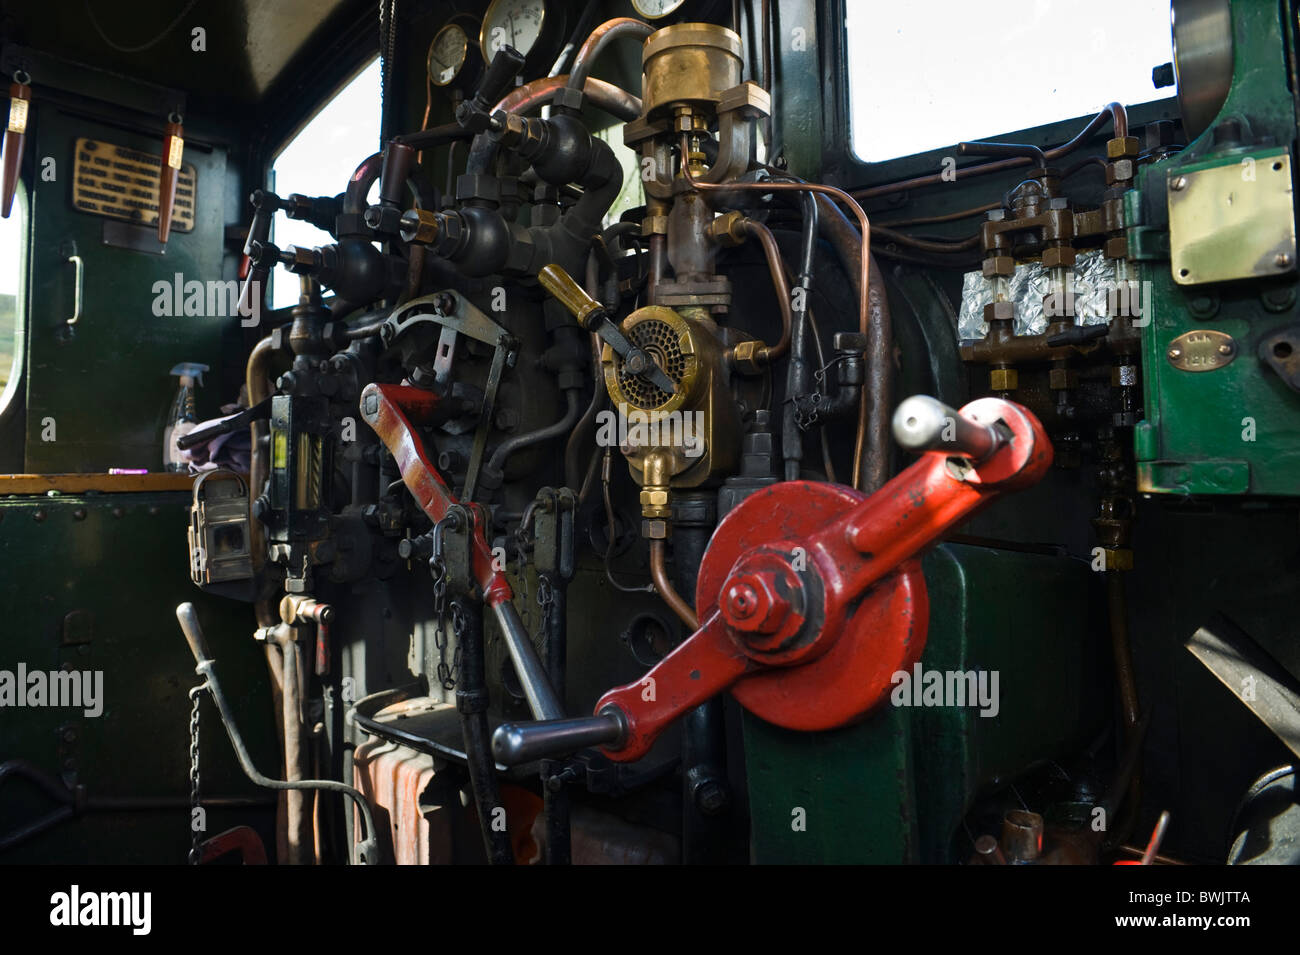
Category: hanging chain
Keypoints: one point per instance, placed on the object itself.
(545, 600)
(458, 629)
(439, 570)
(196, 695)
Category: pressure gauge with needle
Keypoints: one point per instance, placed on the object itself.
(530, 26)
(656, 9)
(454, 62)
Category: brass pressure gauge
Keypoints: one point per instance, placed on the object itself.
(454, 60)
(656, 9)
(530, 26)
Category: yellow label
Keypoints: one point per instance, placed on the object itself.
(17, 115)
(280, 450)
(174, 154)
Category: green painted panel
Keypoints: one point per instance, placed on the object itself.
(92, 583)
(106, 387)
(1231, 430)
(894, 788)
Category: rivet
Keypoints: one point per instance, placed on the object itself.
(1175, 352)
(79, 514)
(1282, 260)
(38, 515)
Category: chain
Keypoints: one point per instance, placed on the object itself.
(545, 600)
(458, 628)
(196, 694)
(439, 570)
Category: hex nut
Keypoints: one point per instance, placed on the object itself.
(1059, 256)
(996, 265)
(1060, 379)
(1003, 379)
(1122, 147)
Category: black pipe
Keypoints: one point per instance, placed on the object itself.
(472, 704)
(706, 795)
(363, 177)
(555, 796)
(520, 441)
(796, 381)
(436, 136)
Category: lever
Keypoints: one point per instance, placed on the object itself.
(593, 316)
(261, 253)
(805, 619)
(500, 76)
(1004, 149)
(922, 423)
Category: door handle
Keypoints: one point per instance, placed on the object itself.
(80, 274)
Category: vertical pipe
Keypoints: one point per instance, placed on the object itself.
(555, 801)
(471, 704)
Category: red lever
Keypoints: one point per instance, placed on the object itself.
(811, 595)
(389, 410)
(20, 95)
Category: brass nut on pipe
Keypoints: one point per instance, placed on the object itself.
(749, 358)
(420, 225)
(1003, 379)
(727, 230)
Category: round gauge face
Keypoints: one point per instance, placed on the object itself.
(654, 9)
(516, 23)
(447, 54)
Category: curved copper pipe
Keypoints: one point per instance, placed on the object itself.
(1114, 112)
(618, 102)
(864, 266)
(774, 265)
(601, 37)
(659, 574)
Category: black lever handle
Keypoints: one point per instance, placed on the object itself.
(501, 73)
(517, 743)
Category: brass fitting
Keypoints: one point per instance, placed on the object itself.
(1122, 147)
(656, 506)
(1003, 379)
(727, 230)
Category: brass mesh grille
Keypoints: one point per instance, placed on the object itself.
(657, 339)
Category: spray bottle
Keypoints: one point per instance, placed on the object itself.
(182, 418)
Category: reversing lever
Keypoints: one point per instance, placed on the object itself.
(810, 595)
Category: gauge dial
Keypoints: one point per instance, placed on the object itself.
(656, 9)
(447, 54)
(516, 23)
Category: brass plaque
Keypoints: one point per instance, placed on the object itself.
(1201, 349)
(1233, 220)
(121, 183)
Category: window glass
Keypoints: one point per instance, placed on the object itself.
(318, 162)
(11, 257)
(925, 76)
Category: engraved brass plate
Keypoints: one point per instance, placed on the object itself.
(1201, 349)
(121, 183)
(1233, 219)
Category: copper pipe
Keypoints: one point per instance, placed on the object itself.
(1114, 112)
(774, 265)
(607, 96)
(947, 217)
(659, 574)
(926, 245)
(864, 267)
(601, 37)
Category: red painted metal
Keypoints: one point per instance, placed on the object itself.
(241, 839)
(822, 594)
(390, 410)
